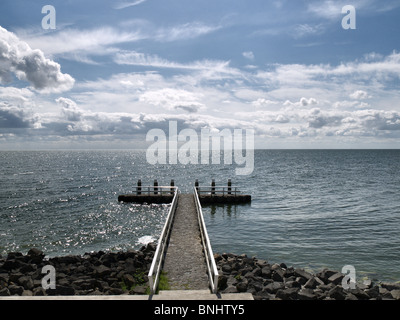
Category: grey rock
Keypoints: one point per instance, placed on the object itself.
(336, 278)
(292, 284)
(303, 274)
(278, 275)
(313, 283)
(241, 286)
(231, 289)
(15, 290)
(266, 272)
(226, 268)
(350, 296)
(373, 292)
(337, 293)
(129, 280)
(5, 292)
(39, 291)
(395, 294)
(390, 286)
(360, 294)
(26, 282)
(273, 287)
(287, 294)
(138, 290)
(306, 294)
(325, 274)
(27, 293)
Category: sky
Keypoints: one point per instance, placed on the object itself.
(108, 72)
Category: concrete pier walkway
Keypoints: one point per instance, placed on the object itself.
(185, 264)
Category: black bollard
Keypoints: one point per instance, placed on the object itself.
(155, 187)
(139, 187)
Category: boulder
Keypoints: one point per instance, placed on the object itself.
(303, 274)
(5, 292)
(266, 272)
(242, 285)
(15, 290)
(337, 293)
(278, 275)
(287, 294)
(222, 282)
(325, 274)
(395, 294)
(273, 287)
(336, 278)
(129, 280)
(390, 286)
(26, 282)
(306, 294)
(313, 283)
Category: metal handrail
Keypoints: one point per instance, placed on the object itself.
(142, 190)
(211, 265)
(214, 190)
(155, 269)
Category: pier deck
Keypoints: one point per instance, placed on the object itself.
(184, 251)
(185, 263)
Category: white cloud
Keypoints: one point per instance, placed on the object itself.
(184, 31)
(359, 95)
(73, 41)
(248, 55)
(173, 99)
(124, 5)
(17, 57)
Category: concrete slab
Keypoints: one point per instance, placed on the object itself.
(163, 295)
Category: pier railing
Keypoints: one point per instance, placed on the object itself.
(218, 190)
(154, 190)
(211, 265)
(156, 265)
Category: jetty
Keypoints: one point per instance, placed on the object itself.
(184, 253)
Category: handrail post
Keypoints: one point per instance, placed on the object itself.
(172, 186)
(229, 186)
(155, 186)
(213, 186)
(139, 187)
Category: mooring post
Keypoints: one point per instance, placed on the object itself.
(139, 187)
(172, 186)
(196, 185)
(213, 186)
(229, 186)
(155, 186)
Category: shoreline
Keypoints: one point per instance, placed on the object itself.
(125, 273)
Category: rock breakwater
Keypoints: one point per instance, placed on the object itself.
(239, 273)
(95, 273)
(119, 273)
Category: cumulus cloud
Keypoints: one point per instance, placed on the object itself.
(173, 99)
(17, 58)
(70, 109)
(359, 95)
